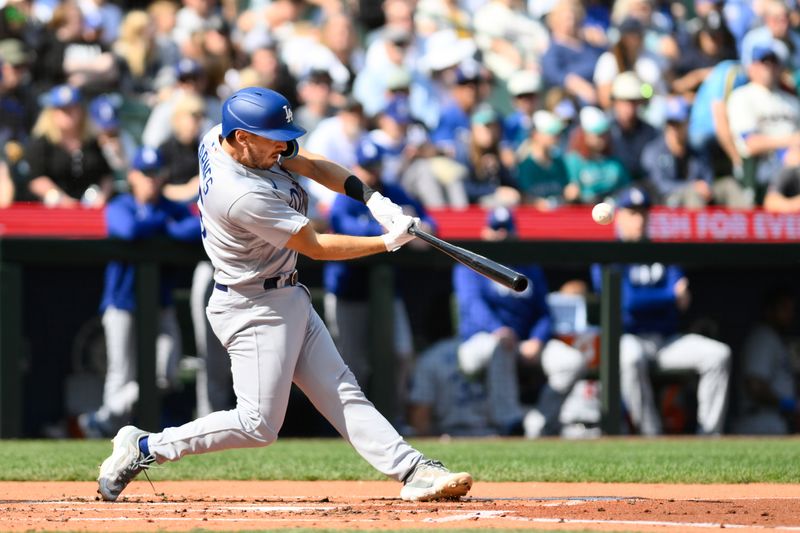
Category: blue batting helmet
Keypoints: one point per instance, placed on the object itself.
(261, 111)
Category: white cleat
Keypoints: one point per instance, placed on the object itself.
(124, 463)
(430, 480)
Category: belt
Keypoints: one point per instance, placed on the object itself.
(277, 282)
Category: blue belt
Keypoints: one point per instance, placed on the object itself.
(269, 283)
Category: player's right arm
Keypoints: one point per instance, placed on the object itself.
(333, 247)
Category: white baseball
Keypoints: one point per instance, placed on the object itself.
(603, 213)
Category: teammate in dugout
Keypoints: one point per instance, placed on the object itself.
(253, 213)
(653, 295)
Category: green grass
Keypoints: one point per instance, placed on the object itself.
(686, 460)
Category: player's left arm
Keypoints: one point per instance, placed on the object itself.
(339, 179)
(318, 168)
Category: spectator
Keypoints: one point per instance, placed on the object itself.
(335, 138)
(451, 134)
(658, 26)
(347, 285)
(385, 57)
(17, 102)
(314, 92)
(105, 16)
(592, 171)
(190, 81)
(163, 15)
(179, 151)
(653, 295)
(629, 133)
(570, 61)
(765, 119)
(679, 176)
(709, 128)
(71, 53)
(508, 37)
(489, 181)
(524, 87)
(628, 53)
(498, 329)
(542, 175)
(266, 69)
(66, 163)
(142, 214)
(138, 53)
(711, 43)
(431, 16)
(117, 144)
(391, 138)
(768, 397)
(775, 27)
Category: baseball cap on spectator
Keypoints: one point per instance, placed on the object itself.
(15, 52)
(501, 218)
(547, 123)
(368, 154)
(468, 71)
(677, 109)
(630, 25)
(61, 96)
(398, 110)
(398, 79)
(772, 49)
(593, 120)
(188, 69)
(484, 114)
(633, 198)
(444, 49)
(148, 160)
(627, 86)
(524, 82)
(104, 112)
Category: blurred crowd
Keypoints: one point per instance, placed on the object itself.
(490, 102)
(439, 103)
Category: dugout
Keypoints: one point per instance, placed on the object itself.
(50, 289)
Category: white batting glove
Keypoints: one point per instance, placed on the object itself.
(398, 233)
(384, 210)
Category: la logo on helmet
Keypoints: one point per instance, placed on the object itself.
(289, 115)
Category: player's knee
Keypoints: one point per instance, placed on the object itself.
(256, 427)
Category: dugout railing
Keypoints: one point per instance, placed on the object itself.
(16, 254)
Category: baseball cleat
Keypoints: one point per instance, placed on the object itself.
(430, 480)
(124, 463)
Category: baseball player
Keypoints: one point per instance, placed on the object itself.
(652, 297)
(253, 213)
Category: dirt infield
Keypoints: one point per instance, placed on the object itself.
(235, 505)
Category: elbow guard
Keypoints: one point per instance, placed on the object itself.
(292, 149)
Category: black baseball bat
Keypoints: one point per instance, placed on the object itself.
(482, 265)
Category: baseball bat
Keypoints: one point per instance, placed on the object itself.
(486, 267)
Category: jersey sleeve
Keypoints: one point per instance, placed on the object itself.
(268, 216)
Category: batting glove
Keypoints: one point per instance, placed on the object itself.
(398, 233)
(384, 210)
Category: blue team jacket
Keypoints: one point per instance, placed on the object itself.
(484, 305)
(350, 217)
(129, 220)
(648, 297)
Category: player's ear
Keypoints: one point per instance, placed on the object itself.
(292, 149)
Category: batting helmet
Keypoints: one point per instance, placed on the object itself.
(261, 111)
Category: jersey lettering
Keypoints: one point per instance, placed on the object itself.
(646, 274)
(206, 179)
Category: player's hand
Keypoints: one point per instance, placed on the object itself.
(398, 233)
(530, 350)
(384, 210)
(682, 295)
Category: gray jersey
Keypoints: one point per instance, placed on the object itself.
(247, 215)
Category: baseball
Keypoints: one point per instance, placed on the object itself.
(603, 213)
